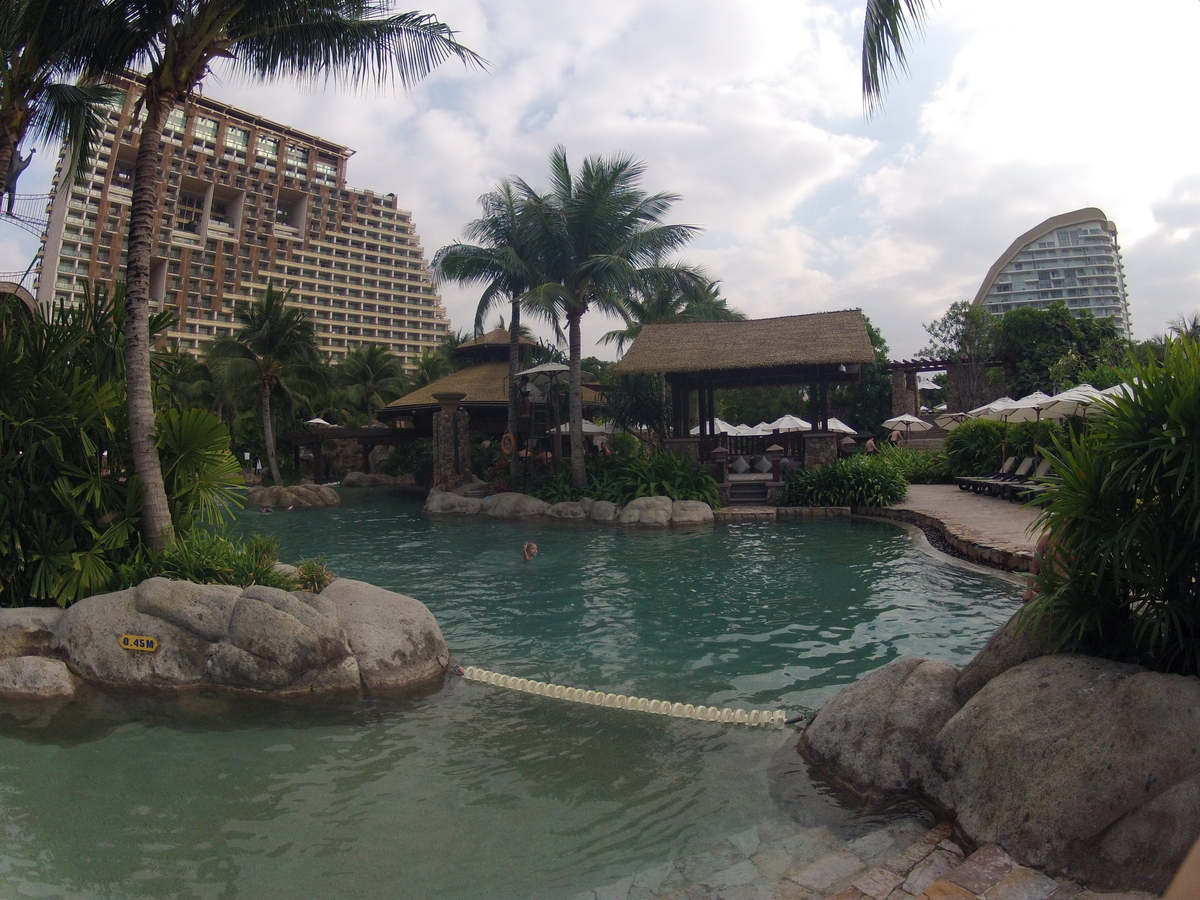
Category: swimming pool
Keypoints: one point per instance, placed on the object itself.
(471, 791)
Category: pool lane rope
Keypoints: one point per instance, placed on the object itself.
(755, 718)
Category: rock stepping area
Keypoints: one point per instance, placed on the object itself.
(781, 860)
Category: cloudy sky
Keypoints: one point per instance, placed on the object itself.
(1015, 110)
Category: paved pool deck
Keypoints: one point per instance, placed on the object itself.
(985, 529)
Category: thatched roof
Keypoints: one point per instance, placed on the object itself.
(495, 337)
(826, 338)
(485, 384)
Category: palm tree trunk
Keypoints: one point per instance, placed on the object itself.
(157, 531)
(269, 432)
(514, 363)
(575, 408)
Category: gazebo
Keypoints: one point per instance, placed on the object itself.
(816, 350)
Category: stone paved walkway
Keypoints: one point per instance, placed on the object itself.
(781, 860)
(986, 529)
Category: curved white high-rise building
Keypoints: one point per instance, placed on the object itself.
(1074, 258)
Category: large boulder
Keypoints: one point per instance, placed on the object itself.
(647, 511)
(373, 479)
(35, 678)
(298, 496)
(28, 631)
(395, 639)
(446, 503)
(511, 505)
(691, 512)
(1079, 766)
(603, 511)
(1015, 642)
(203, 609)
(568, 509)
(88, 638)
(877, 735)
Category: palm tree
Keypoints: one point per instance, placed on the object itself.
(672, 299)
(432, 365)
(887, 26)
(274, 350)
(44, 44)
(501, 260)
(177, 41)
(598, 238)
(370, 376)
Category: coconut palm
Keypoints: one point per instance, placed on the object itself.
(370, 377)
(500, 259)
(176, 41)
(598, 238)
(887, 27)
(672, 299)
(275, 350)
(432, 365)
(45, 45)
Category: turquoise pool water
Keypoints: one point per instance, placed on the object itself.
(471, 791)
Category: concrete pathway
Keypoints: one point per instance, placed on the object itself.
(982, 528)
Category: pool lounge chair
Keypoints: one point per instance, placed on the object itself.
(969, 482)
(1024, 489)
(994, 486)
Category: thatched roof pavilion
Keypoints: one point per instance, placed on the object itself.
(817, 349)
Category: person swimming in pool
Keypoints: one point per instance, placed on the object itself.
(529, 551)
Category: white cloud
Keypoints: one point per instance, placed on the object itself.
(1016, 110)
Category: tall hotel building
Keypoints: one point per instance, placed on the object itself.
(1074, 258)
(242, 201)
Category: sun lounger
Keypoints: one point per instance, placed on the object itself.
(1020, 490)
(994, 486)
(968, 482)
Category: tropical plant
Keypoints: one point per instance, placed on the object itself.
(208, 557)
(372, 377)
(1043, 348)
(175, 42)
(597, 237)
(501, 259)
(274, 350)
(1123, 514)
(203, 479)
(46, 45)
(626, 478)
(967, 335)
(639, 401)
(671, 297)
(917, 466)
(858, 481)
(430, 367)
(974, 447)
(313, 575)
(1030, 438)
(867, 402)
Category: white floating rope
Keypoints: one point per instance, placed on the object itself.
(755, 718)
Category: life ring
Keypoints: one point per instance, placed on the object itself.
(508, 444)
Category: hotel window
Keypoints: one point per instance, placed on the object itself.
(236, 138)
(268, 149)
(297, 157)
(205, 129)
(176, 121)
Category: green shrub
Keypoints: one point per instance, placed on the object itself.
(1027, 438)
(208, 557)
(1123, 509)
(415, 457)
(313, 575)
(622, 479)
(625, 444)
(917, 466)
(974, 447)
(858, 481)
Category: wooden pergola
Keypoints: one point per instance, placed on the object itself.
(816, 350)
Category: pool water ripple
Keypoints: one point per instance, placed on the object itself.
(472, 791)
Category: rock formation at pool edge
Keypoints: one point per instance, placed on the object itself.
(352, 637)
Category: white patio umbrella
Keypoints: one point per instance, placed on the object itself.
(317, 422)
(720, 426)
(908, 423)
(1003, 402)
(950, 421)
(588, 428)
(1027, 409)
(544, 375)
(835, 424)
(1073, 402)
(790, 423)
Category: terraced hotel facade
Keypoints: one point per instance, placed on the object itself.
(244, 200)
(1074, 258)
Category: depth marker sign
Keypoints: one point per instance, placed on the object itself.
(139, 642)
